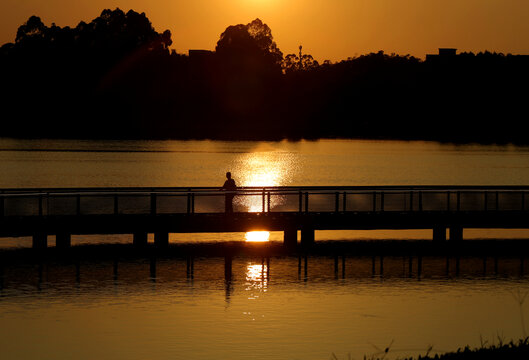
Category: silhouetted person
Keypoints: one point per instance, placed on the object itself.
(229, 185)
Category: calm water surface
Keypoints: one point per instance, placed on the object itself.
(267, 313)
(269, 310)
(52, 163)
(69, 163)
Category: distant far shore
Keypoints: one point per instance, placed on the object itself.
(455, 141)
(116, 78)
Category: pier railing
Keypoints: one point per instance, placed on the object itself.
(167, 201)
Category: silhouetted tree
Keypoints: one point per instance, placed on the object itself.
(248, 75)
(115, 76)
(78, 74)
(249, 47)
(301, 62)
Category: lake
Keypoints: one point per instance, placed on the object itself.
(269, 309)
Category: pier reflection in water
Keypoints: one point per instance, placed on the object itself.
(340, 305)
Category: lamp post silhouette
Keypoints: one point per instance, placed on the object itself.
(300, 58)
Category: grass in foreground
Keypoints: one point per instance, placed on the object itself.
(508, 351)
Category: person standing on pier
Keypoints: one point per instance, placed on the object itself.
(229, 185)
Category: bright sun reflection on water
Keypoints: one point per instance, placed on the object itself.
(262, 169)
(257, 236)
(256, 279)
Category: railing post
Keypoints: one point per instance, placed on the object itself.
(420, 200)
(374, 201)
(382, 201)
(268, 202)
(300, 201)
(337, 204)
(188, 202)
(344, 201)
(486, 200)
(264, 200)
(458, 200)
(448, 201)
(192, 203)
(306, 201)
(497, 200)
(411, 200)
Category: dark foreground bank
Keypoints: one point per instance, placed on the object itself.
(509, 351)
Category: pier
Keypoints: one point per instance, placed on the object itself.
(141, 211)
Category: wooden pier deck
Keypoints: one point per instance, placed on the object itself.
(140, 211)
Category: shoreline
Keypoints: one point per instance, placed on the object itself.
(518, 249)
(440, 140)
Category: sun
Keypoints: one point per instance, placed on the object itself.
(257, 236)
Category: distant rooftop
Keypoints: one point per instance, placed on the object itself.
(443, 53)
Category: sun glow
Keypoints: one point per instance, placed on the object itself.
(259, 3)
(256, 279)
(257, 236)
(264, 168)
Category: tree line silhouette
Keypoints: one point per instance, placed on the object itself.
(116, 77)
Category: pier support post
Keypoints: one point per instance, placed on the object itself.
(439, 233)
(290, 239)
(63, 240)
(307, 236)
(40, 241)
(456, 233)
(161, 239)
(139, 239)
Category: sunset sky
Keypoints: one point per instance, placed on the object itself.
(327, 29)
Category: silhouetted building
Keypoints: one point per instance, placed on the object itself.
(444, 54)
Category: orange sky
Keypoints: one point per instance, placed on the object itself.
(328, 29)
